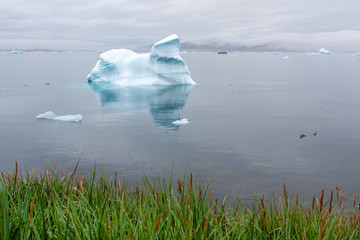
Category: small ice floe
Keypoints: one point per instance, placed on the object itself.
(324, 51)
(274, 53)
(6, 88)
(181, 122)
(16, 52)
(67, 118)
(286, 57)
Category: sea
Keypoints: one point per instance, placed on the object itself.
(256, 120)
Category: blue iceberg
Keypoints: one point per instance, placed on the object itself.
(162, 66)
(324, 51)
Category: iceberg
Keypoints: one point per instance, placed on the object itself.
(181, 122)
(67, 118)
(162, 66)
(324, 51)
(16, 52)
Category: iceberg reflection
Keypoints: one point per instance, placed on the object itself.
(163, 101)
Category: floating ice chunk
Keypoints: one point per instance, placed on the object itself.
(162, 66)
(286, 57)
(324, 51)
(67, 118)
(181, 122)
(16, 52)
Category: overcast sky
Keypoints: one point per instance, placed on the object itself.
(304, 25)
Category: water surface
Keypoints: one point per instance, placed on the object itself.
(246, 117)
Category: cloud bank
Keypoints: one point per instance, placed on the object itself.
(297, 25)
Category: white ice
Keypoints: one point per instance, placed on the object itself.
(162, 66)
(324, 51)
(181, 122)
(16, 52)
(67, 118)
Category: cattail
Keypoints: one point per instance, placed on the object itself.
(297, 200)
(317, 203)
(313, 203)
(82, 183)
(32, 174)
(324, 218)
(337, 193)
(109, 224)
(191, 235)
(354, 199)
(331, 199)
(3, 176)
(179, 185)
(191, 182)
(237, 197)
(157, 223)
(323, 229)
(215, 210)
(115, 181)
(357, 220)
(32, 206)
(280, 204)
(285, 194)
(342, 225)
(321, 200)
(131, 234)
(200, 193)
(48, 175)
(206, 223)
(16, 172)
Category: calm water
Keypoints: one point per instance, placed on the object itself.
(246, 117)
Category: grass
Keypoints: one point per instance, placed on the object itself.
(70, 206)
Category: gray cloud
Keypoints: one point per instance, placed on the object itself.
(278, 24)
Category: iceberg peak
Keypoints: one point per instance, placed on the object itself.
(162, 66)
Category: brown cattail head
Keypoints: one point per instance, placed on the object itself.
(115, 180)
(321, 200)
(16, 172)
(32, 206)
(354, 199)
(323, 229)
(297, 200)
(331, 199)
(238, 199)
(191, 182)
(82, 183)
(313, 203)
(206, 223)
(109, 223)
(285, 194)
(157, 223)
(280, 203)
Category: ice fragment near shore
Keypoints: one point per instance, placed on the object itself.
(16, 52)
(162, 66)
(324, 51)
(181, 122)
(67, 118)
